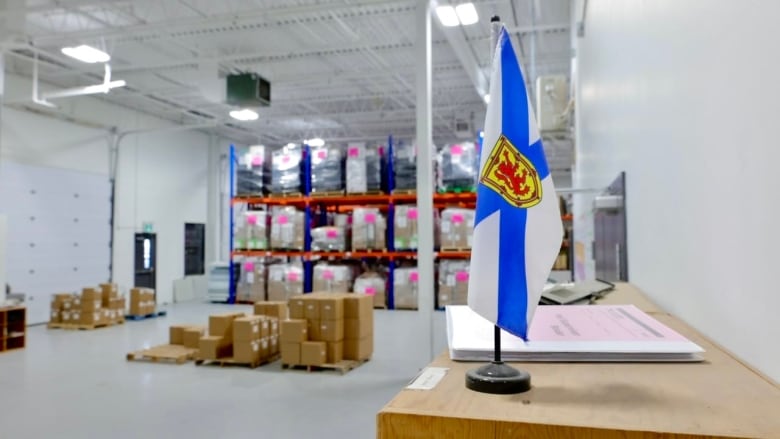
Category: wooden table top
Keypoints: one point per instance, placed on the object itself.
(720, 397)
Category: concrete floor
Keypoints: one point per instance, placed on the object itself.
(76, 384)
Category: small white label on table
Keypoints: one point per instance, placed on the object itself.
(428, 379)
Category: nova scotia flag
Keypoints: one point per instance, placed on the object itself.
(518, 229)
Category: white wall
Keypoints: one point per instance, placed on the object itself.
(162, 177)
(683, 97)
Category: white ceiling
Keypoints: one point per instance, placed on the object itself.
(339, 69)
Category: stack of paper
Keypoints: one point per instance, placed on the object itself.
(572, 333)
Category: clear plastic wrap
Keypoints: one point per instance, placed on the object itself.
(405, 284)
(457, 228)
(287, 228)
(373, 284)
(364, 168)
(458, 166)
(251, 229)
(284, 281)
(405, 165)
(328, 238)
(453, 282)
(368, 229)
(286, 170)
(332, 278)
(253, 173)
(405, 227)
(327, 169)
(251, 283)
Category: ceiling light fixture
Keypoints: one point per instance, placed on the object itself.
(87, 54)
(244, 115)
(447, 16)
(467, 13)
(315, 142)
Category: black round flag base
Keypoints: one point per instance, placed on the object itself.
(498, 378)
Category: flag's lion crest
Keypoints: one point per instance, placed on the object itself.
(512, 175)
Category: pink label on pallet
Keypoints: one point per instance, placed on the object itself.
(414, 277)
(412, 214)
(257, 160)
(353, 152)
(332, 233)
(370, 218)
(370, 291)
(249, 267)
(457, 218)
(462, 276)
(327, 275)
(456, 150)
(292, 276)
(251, 219)
(282, 219)
(323, 153)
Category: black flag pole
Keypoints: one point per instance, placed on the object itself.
(497, 377)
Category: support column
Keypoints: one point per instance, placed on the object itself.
(425, 255)
(213, 241)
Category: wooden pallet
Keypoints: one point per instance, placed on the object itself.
(327, 194)
(285, 195)
(404, 191)
(369, 193)
(160, 313)
(83, 327)
(229, 361)
(342, 366)
(455, 249)
(167, 353)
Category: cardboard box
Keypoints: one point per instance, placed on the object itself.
(276, 309)
(314, 330)
(108, 292)
(358, 306)
(457, 228)
(368, 229)
(355, 329)
(314, 353)
(335, 352)
(118, 303)
(69, 303)
(176, 334)
(214, 347)
(311, 307)
(251, 284)
(273, 345)
(287, 228)
(65, 316)
(294, 331)
(405, 227)
(374, 285)
(57, 300)
(331, 330)
(331, 308)
(406, 283)
(90, 318)
(284, 281)
(297, 307)
(91, 294)
(55, 316)
(247, 351)
(361, 349)
(221, 325)
(192, 335)
(248, 328)
(265, 348)
(90, 304)
(291, 352)
(273, 324)
(332, 278)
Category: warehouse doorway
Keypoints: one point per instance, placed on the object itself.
(146, 260)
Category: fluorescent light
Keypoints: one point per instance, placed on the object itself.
(467, 13)
(244, 115)
(447, 16)
(486, 98)
(86, 54)
(290, 146)
(315, 142)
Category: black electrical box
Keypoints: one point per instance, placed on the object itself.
(248, 90)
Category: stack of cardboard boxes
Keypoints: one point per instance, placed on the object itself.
(326, 328)
(239, 338)
(453, 282)
(141, 301)
(186, 335)
(94, 307)
(368, 229)
(251, 284)
(457, 228)
(406, 282)
(277, 309)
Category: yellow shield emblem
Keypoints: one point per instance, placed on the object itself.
(512, 175)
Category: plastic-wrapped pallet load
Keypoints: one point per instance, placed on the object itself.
(453, 282)
(405, 166)
(372, 284)
(328, 238)
(332, 278)
(253, 171)
(287, 228)
(284, 281)
(458, 167)
(251, 228)
(368, 229)
(405, 284)
(286, 170)
(457, 228)
(405, 227)
(251, 284)
(327, 172)
(364, 168)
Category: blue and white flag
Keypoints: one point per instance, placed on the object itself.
(517, 229)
